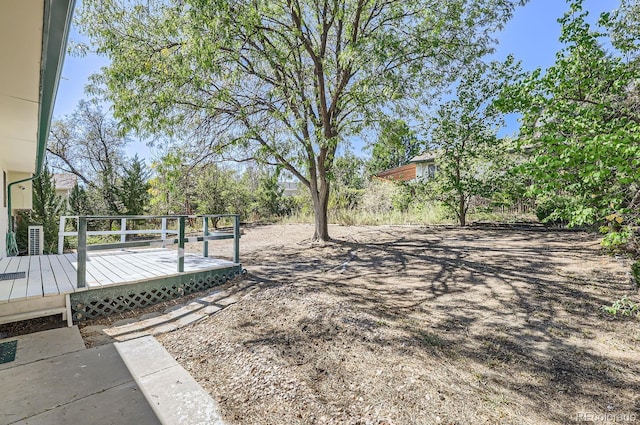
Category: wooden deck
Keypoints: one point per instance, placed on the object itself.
(56, 275)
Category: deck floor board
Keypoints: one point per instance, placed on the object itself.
(120, 267)
(5, 285)
(50, 275)
(94, 277)
(144, 264)
(4, 263)
(19, 286)
(49, 278)
(154, 262)
(63, 281)
(96, 264)
(34, 278)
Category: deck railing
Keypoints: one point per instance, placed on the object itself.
(83, 247)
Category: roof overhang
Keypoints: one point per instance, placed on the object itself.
(33, 38)
(425, 157)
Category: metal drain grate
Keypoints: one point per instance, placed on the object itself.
(12, 276)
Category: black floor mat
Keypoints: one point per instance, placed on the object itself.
(8, 351)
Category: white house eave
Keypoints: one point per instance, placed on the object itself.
(21, 31)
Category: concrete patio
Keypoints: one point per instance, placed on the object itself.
(55, 380)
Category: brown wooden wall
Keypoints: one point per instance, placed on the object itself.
(404, 173)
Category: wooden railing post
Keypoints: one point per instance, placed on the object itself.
(63, 221)
(181, 226)
(236, 238)
(123, 229)
(164, 231)
(205, 233)
(82, 252)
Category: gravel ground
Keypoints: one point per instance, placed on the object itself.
(416, 325)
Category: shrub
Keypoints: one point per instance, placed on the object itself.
(635, 273)
(562, 210)
(378, 197)
(616, 241)
(549, 209)
(623, 307)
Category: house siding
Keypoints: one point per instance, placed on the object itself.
(404, 173)
(426, 170)
(21, 194)
(21, 199)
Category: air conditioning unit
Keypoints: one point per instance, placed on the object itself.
(36, 240)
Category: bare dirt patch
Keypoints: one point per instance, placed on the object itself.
(398, 325)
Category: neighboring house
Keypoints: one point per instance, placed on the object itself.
(33, 37)
(404, 173)
(64, 183)
(421, 167)
(289, 188)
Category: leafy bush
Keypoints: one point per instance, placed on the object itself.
(615, 241)
(548, 207)
(623, 307)
(267, 198)
(635, 273)
(564, 211)
(378, 197)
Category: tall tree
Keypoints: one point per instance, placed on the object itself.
(267, 198)
(133, 190)
(219, 190)
(79, 203)
(47, 208)
(173, 184)
(285, 80)
(581, 122)
(89, 144)
(465, 136)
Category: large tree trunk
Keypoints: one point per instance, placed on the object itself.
(462, 210)
(321, 232)
(320, 197)
(462, 207)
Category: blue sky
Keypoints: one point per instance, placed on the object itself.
(531, 36)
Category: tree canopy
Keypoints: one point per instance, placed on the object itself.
(397, 143)
(90, 144)
(464, 135)
(282, 81)
(581, 122)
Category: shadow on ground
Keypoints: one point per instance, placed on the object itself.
(453, 326)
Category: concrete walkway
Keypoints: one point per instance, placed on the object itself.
(173, 318)
(55, 380)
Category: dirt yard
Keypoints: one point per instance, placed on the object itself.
(414, 325)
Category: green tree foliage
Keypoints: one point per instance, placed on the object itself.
(282, 82)
(46, 212)
(220, 190)
(349, 180)
(581, 121)
(397, 143)
(172, 185)
(624, 25)
(268, 201)
(469, 153)
(187, 184)
(79, 203)
(133, 190)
